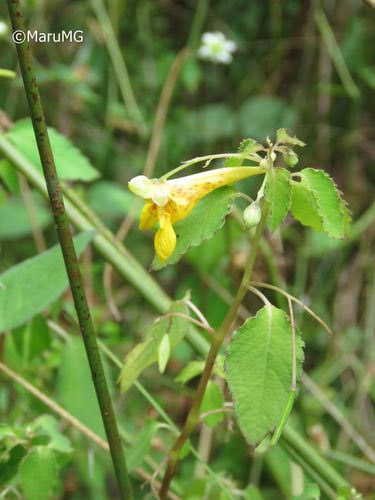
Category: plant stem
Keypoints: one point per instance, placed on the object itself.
(68, 251)
(217, 341)
(132, 271)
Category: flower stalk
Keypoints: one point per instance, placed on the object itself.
(217, 341)
(69, 254)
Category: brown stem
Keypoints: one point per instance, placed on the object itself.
(217, 341)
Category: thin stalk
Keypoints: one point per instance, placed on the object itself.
(68, 251)
(128, 267)
(307, 453)
(119, 65)
(217, 341)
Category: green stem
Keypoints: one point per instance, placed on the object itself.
(218, 339)
(118, 64)
(128, 267)
(196, 28)
(68, 251)
(302, 450)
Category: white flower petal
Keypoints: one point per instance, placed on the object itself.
(141, 186)
(230, 46)
(160, 196)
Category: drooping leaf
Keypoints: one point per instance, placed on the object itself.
(283, 137)
(70, 162)
(15, 220)
(259, 371)
(213, 399)
(33, 338)
(146, 353)
(206, 218)
(141, 445)
(278, 193)
(330, 205)
(38, 473)
(304, 207)
(30, 286)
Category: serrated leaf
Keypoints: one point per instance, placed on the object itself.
(330, 205)
(304, 207)
(259, 371)
(207, 217)
(278, 192)
(71, 164)
(32, 285)
(213, 399)
(283, 137)
(164, 352)
(38, 473)
(146, 353)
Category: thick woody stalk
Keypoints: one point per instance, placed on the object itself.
(69, 254)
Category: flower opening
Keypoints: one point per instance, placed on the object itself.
(169, 201)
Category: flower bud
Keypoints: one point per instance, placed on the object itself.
(263, 163)
(273, 156)
(252, 215)
(291, 159)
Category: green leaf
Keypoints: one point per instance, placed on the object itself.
(278, 194)
(191, 370)
(38, 474)
(283, 137)
(48, 425)
(304, 207)
(330, 205)
(33, 338)
(207, 217)
(259, 371)
(9, 175)
(70, 162)
(75, 389)
(311, 491)
(246, 147)
(141, 445)
(110, 198)
(164, 352)
(213, 399)
(10, 462)
(146, 353)
(252, 493)
(15, 221)
(32, 285)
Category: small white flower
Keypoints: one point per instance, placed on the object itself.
(216, 48)
(3, 28)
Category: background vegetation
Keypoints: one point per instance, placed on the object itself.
(289, 72)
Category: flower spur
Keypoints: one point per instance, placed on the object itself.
(169, 201)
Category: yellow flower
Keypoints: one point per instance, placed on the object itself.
(169, 201)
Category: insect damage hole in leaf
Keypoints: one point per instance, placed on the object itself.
(259, 371)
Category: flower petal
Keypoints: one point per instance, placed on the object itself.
(165, 237)
(141, 186)
(149, 216)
